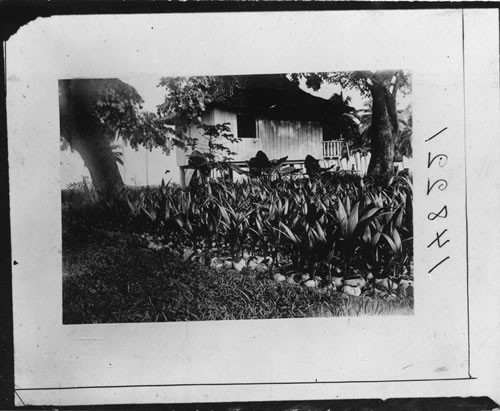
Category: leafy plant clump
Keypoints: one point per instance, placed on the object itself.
(318, 225)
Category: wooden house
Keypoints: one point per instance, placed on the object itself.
(271, 114)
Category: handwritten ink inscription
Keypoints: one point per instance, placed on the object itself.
(437, 162)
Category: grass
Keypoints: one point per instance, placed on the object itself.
(109, 277)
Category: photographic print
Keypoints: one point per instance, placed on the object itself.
(252, 215)
(236, 197)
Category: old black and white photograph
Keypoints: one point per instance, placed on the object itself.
(236, 197)
(220, 207)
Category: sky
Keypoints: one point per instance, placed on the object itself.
(146, 86)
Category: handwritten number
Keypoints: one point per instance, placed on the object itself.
(443, 159)
(435, 135)
(443, 184)
(438, 264)
(437, 240)
(443, 213)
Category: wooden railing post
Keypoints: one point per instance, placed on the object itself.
(333, 148)
(183, 176)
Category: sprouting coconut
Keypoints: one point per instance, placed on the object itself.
(239, 265)
(217, 263)
(338, 281)
(357, 281)
(261, 268)
(258, 259)
(349, 290)
(187, 254)
(311, 283)
(404, 285)
(383, 282)
(351, 282)
(268, 261)
(279, 277)
(228, 263)
(252, 264)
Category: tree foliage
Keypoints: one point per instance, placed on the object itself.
(109, 108)
(382, 87)
(347, 80)
(342, 126)
(403, 140)
(186, 100)
(217, 135)
(358, 80)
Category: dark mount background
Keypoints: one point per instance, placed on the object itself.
(16, 13)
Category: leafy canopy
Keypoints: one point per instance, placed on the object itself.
(109, 108)
(187, 98)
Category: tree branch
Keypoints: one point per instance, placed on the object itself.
(395, 86)
(383, 75)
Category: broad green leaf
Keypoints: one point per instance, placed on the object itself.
(369, 213)
(348, 205)
(179, 220)
(399, 218)
(353, 220)
(289, 233)
(367, 234)
(259, 226)
(320, 231)
(225, 215)
(397, 239)
(342, 217)
(390, 242)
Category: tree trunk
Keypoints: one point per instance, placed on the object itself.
(383, 132)
(79, 129)
(98, 156)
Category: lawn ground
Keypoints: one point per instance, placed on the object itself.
(111, 277)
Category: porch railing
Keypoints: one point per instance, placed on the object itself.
(333, 149)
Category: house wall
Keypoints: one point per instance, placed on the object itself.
(276, 138)
(142, 167)
(295, 139)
